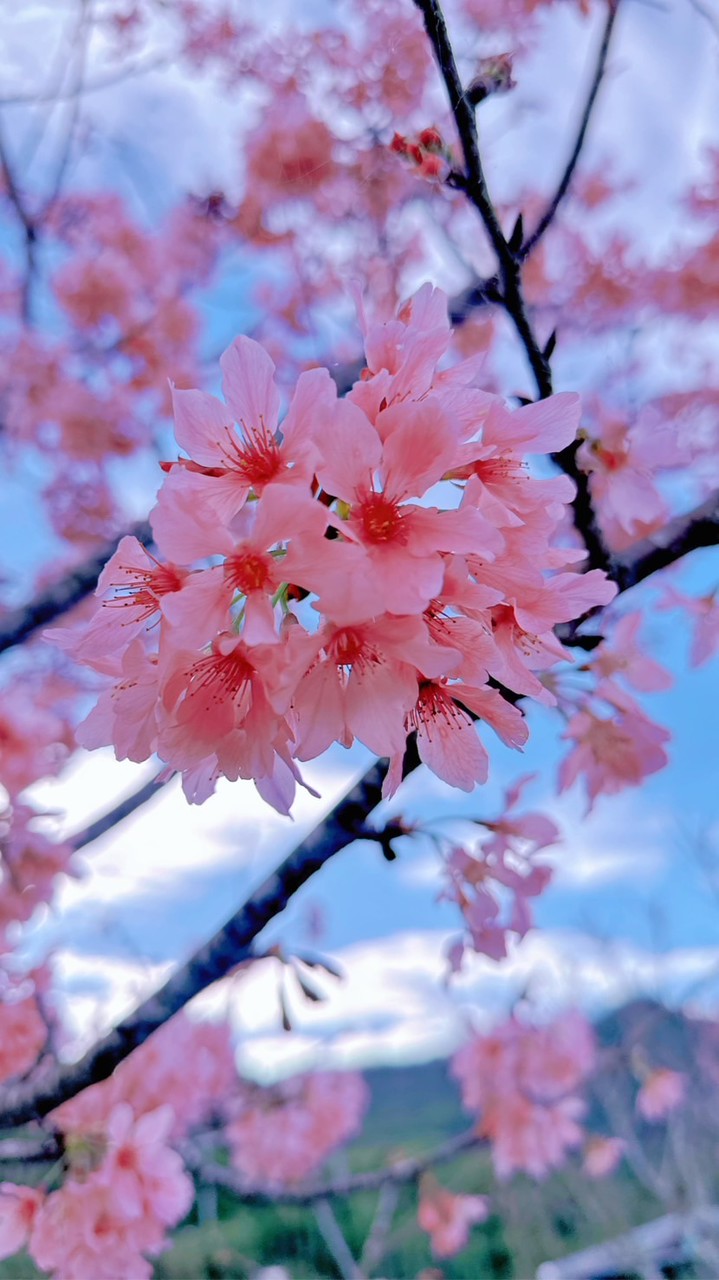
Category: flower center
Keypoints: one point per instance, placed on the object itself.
(257, 458)
(220, 677)
(249, 572)
(380, 518)
(144, 588)
(436, 710)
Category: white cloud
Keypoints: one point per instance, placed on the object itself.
(394, 1004)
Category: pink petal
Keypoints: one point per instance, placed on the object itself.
(248, 384)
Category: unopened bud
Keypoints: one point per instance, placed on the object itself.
(494, 75)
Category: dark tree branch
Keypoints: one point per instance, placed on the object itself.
(17, 625)
(698, 528)
(399, 1172)
(509, 292)
(583, 514)
(121, 811)
(29, 230)
(474, 185)
(565, 181)
(230, 946)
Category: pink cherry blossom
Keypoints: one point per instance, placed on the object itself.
(661, 1093)
(602, 1155)
(615, 751)
(225, 464)
(522, 1080)
(18, 1210)
(284, 1133)
(447, 1217)
(621, 655)
(705, 612)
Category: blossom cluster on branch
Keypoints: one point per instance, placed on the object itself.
(359, 573)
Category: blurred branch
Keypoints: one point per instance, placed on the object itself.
(122, 810)
(80, 42)
(397, 1173)
(698, 528)
(564, 183)
(93, 86)
(333, 1237)
(29, 229)
(375, 1245)
(707, 14)
(19, 624)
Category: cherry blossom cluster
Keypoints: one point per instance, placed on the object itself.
(35, 740)
(614, 743)
(125, 1185)
(284, 1133)
(494, 882)
(156, 1075)
(359, 573)
(125, 1182)
(523, 1083)
(124, 1189)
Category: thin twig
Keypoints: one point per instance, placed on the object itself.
(474, 185)
(29, 229)
(375, 1246)
(93, 86)
(397, 1173)
(565, 181)
(510, 295)
(121, 810)
(333, 1237)
(81, 39)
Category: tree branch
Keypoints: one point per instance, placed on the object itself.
(698, 528)
(564, 183)
(93, 86)
(333, 1237)
(509, 293)
(29, 230)
(682, 535)
(121, 810)
(229, 947)
(397, 1173)
(474, 185)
